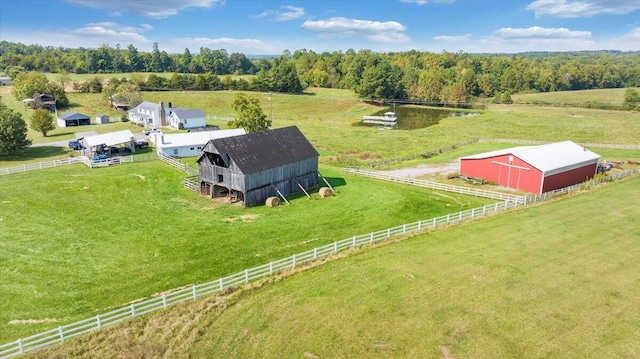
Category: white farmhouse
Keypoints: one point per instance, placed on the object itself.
(180, 118)
(189, 144)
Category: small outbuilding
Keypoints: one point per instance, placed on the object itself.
(102, 119)
(189, 144)
(107, 142)
(256, 166)
(535, 169)
(68, 119)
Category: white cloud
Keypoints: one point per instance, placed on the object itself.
(627, 42)
(537, 38)
(423, 2)
(582, 8)
(389, 31)
(454, 38)
(285, 13)
(158, 9)
(247, 46)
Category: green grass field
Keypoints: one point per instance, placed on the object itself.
(84, 241)
(558, 280)
(76, 242)
(579, 98)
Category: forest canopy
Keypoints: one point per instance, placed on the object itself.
(415, 75)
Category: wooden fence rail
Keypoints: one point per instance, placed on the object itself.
(177, 164)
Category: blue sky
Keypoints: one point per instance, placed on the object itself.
(272, 26)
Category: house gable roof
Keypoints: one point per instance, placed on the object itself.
(187, 114)
(256, 152)
(549, 158)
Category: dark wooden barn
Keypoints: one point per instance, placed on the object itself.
(256, 166)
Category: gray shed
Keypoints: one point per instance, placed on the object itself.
(256, 166)
(102, 119)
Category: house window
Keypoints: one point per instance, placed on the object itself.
(220, 178)
(199, 148)
(191, 148)
(175, 151)
(185, 121)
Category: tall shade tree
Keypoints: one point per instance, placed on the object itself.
(13, 131)
(42, 121)
(249, 114)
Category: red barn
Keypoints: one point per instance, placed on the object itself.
(535, 169)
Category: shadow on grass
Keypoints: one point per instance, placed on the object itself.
(33, 153)
(59, 134)
(333, 181)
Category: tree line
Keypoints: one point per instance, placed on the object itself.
(413, 75)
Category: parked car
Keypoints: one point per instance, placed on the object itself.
(139, 144)
(100, 157)
(153, 131)
(76, 145)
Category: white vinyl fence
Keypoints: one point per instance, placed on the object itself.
(41, 165)
(439, 186)
(177, 164)
(193, 292)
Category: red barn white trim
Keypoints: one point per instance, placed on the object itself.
(535, 169)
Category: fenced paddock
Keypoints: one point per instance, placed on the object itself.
(439, 186)
(195, 291)
(42, 165)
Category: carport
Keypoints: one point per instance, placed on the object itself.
(73, 119)
(94, 145)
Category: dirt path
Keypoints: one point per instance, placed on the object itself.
(421, 170)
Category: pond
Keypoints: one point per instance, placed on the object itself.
(411, 118)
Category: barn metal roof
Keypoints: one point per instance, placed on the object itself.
(256, 152)
(109, 139)
(72, 116)
(195, 138)
(549, 158)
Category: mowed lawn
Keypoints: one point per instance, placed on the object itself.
(75, 242)
(557, 280)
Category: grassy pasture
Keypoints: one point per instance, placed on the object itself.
(75, 242)
(578, 98)
(558, 280)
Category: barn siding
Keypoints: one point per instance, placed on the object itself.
(504, 176)
(287, 186)
(569, 178)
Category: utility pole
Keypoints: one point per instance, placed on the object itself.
(270, 107)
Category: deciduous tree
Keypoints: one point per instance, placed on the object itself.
(42, 121)
(249, 114)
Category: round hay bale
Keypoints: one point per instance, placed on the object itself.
(325, 192)
(272, 202)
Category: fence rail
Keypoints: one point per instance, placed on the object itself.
(177, 164)
(439, 186)
(192, 183)
(220, 118)
(41, 165)
(196, 291)
(532, 142)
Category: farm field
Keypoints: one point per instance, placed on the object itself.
(577, 98)
(76, 242)
(554, 280)
(328, 117)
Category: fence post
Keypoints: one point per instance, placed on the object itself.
(434, 222)
(315, 253)
(133, 311)
(371, 237)
(98, 321)
(270, 267)
(353, 242)
(419, 225)
(164, 301)
(246, 275)
(404, 228)
(195, 292)
(460, 217)
(388, 232)
(61, 333)
(221, 286)
(293, 260)
(335, 247)
(20, 346)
